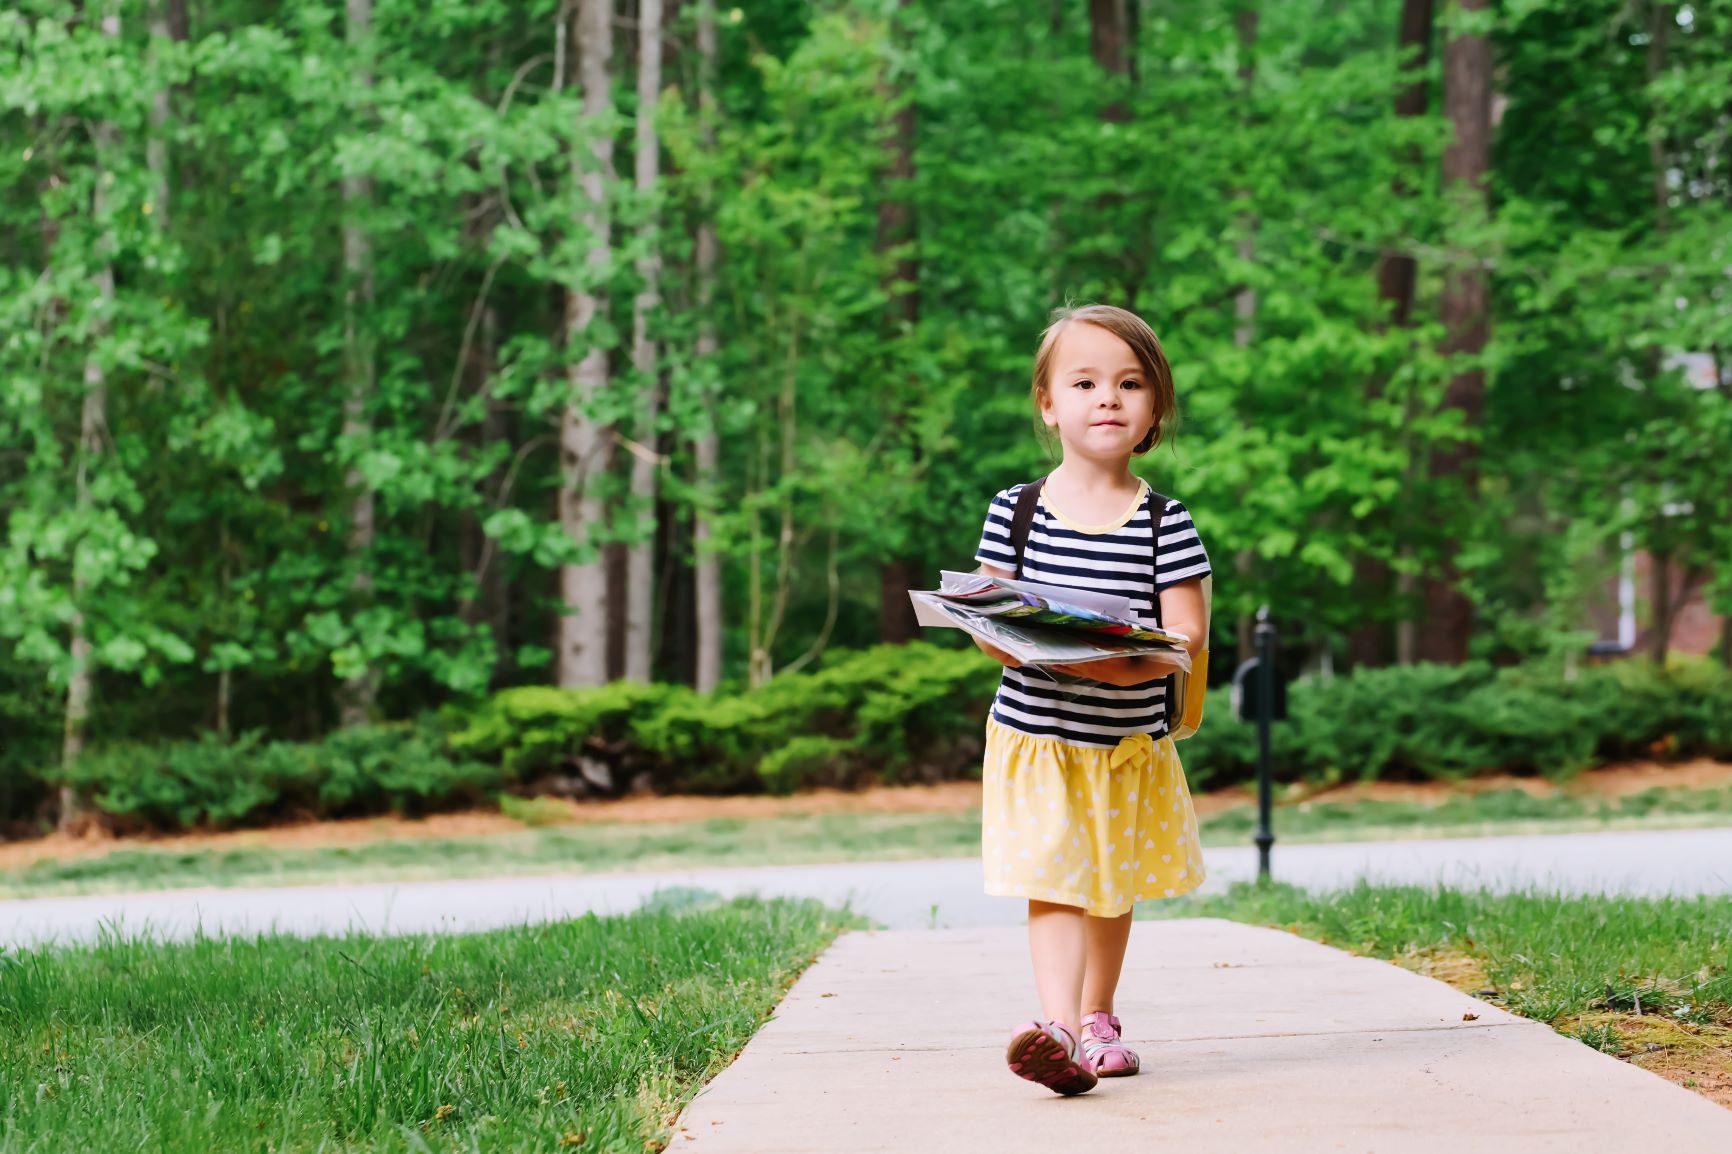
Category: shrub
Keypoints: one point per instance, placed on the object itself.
(216, 783)
(896, 714)
(536, 730)
(1432, 721)
(399, 767)
(31, 715)
(210, 781)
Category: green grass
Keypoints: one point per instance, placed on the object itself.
(589, 1033)
(1500, 811)
(572, 848)
(813, 838)
(1543, 956)
(592, 1033)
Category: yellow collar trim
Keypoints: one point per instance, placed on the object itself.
(1142, 495)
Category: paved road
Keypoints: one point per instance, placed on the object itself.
(900, 895)
(1252, 1040)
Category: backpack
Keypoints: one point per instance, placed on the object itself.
(1187, 690)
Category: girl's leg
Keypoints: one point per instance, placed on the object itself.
(1057, 944)
(1106, 940)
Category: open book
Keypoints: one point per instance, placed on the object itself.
(1042, 624)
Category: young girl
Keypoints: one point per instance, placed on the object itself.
(1085, 805)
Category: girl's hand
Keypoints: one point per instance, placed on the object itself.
(1120, 671)
(998, 654)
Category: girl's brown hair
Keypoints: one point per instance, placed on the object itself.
(1135, 332)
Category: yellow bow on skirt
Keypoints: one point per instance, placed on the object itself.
(1131, 749)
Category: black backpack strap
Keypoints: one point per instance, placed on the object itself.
(1157, 510)
(1023, 518)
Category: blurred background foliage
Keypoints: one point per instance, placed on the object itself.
(302, 304)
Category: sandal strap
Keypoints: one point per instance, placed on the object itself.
(1094, 1046)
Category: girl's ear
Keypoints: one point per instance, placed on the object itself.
(1046, 410)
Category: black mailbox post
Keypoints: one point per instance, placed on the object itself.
(1260, 695)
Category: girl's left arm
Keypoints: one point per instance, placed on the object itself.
(1182, 612)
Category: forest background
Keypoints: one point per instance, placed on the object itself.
(374, 360)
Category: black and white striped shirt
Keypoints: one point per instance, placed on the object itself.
(1114, 559)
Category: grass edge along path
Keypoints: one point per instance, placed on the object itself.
(591, 1033)
(812, 838)
(1646, 980)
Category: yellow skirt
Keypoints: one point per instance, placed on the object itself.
(1079, 826)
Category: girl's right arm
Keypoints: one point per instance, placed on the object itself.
(993, 651)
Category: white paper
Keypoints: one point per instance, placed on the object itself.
(1111, 603)
(1035, 645)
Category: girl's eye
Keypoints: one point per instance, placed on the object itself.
(1131, 385)
(1085, 384)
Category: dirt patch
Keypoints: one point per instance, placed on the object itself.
(1461, 970)
(1610, 781)
(310, 835)
(1698, 1058)
(947, 797)
(1709, 1073)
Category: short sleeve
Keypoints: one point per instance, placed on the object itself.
(995, 547)
(1181, 555)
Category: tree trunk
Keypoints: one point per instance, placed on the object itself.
(495, 590)
(709, 575)
(1660, 21)
(1109, 45)
(760, 665)
(896, 623)
(167, 24)
(491, 605)
(1134, 40)
(586, 449)
(1245, 311)
(92, 425)
(1466, 162)
(1660, 584)
(640, 560)
(359, 691)
(1396, 277)
(92, 428)
(1659, 17)
(676, 640)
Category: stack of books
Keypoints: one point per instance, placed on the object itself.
(1042, 624)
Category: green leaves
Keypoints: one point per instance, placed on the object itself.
(874, 325)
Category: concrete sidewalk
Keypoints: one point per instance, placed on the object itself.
(1251, 1040)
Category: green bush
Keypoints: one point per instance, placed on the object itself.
(535, 730)
(31, 717)
(176, 785)
(216, 783)
(398, 767)
(896, 714)
(1446, 722)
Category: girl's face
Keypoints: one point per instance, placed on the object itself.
(1098, 397)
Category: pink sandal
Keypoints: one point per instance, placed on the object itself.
(1048, 1053)
(1106, 1055)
